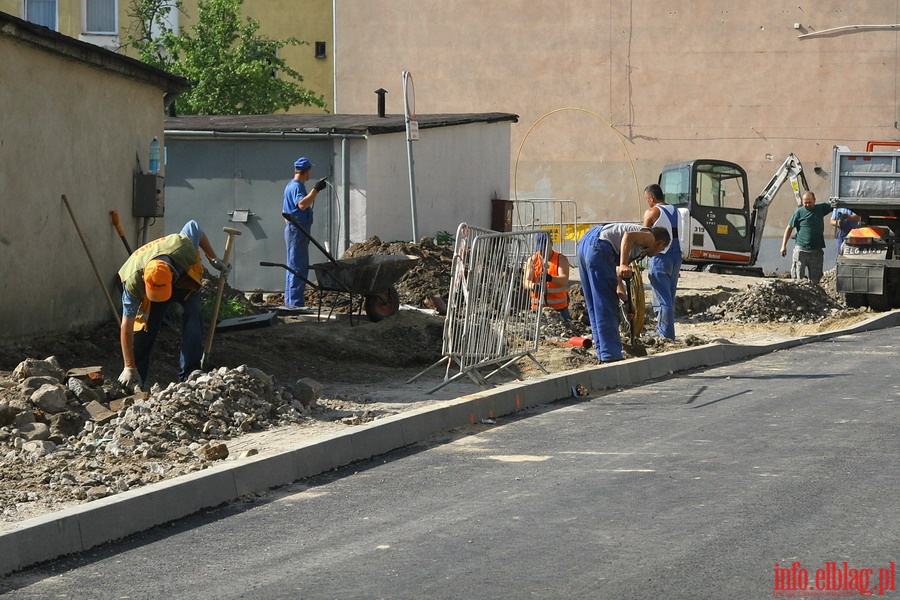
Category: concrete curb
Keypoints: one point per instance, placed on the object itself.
(91, 524)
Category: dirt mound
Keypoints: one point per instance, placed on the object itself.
(778, 300)
(429, 278)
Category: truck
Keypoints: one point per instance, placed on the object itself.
(718, 227)
(868, 265)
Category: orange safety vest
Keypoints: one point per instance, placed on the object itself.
(557, 296)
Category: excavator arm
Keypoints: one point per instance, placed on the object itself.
(791, 169)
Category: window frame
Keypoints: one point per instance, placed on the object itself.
(84, 25)
(25, 11)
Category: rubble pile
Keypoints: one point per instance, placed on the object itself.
(73, 437)
(778, 300)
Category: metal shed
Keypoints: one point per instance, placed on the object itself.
(232, 170)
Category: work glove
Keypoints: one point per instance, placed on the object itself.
(220, 266)
(320, 185)
(548, 278)
(130, 380)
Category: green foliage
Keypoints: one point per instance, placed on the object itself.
(444, 238)
(228, 309)
(233, 69)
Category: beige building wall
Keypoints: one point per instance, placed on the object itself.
(610, 91)
(307, 20)
(75, 129)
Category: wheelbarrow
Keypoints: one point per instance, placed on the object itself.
(370, 277)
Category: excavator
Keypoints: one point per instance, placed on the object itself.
(718, 228)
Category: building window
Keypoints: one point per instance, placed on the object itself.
(100, 17)
(320, 50)
(42, 12)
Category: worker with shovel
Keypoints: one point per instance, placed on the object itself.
(163, 271)
(604, 256)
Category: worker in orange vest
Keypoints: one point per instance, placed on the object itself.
(555, 272)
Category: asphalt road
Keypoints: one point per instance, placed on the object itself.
(690, 487)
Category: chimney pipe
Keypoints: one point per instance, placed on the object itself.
(381, 92)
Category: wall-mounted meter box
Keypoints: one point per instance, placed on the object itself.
(148, 198)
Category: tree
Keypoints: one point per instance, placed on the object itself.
(232, 68)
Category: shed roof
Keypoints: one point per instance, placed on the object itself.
(92, 54)
(315, 124)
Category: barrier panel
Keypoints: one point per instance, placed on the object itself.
(489, 322)
(558, 217)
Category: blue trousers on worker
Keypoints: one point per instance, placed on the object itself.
(191, 334)
(664, 269)
(597, 261)
(297, 245)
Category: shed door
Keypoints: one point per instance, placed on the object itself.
(240, 184)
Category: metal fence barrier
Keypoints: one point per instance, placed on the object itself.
(558, 217)
(490, 322)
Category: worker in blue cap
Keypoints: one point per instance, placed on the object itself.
(299, 204)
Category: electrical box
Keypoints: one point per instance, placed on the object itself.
(501, 214)
(148, 198)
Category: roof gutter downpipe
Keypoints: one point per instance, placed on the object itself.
(345, 180)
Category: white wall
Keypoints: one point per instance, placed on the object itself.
(457, 172)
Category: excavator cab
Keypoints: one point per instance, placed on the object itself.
(713, 201)
(717, 223)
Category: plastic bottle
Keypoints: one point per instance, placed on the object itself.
(154, 155)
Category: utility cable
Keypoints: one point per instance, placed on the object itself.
(619, 136)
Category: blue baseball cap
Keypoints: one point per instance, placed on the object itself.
(540, 241)
(302, 163)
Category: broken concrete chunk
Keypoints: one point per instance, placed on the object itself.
(50, 398)
(216, 452)
(36, 448)
(34, 431)
(92, 376)
(32, 367)
(81, 390)
(99, 414)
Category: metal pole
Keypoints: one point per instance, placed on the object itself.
(412, 191)
(409, 110)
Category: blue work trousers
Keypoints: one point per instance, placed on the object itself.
(297, 244)
(664, 269)
(191, 332)
(597, 261)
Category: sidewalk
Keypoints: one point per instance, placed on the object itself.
(78, 529)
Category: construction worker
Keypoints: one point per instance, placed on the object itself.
(298, 203)
(555, 272)
(604, 256)
(665, 266)
(809, 247)
(155, 275)
(844, 220)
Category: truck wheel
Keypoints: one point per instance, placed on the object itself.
(855, 300)
(879, 302)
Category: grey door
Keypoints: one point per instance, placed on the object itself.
(240, 184)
